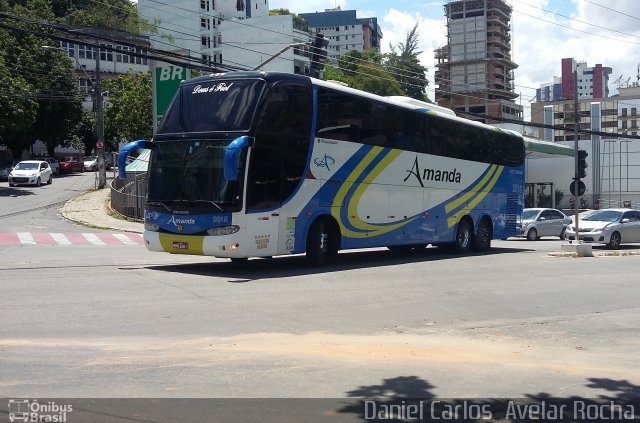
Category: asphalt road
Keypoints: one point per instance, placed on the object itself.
(28, 208)
(105, 321)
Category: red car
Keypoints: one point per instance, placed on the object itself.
(71, 164)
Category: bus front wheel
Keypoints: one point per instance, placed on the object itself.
(322, 243)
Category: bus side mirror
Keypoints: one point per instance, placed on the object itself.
(124, 153)
(232, 157)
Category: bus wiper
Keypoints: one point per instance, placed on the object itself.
(159, 203)
(206, 202)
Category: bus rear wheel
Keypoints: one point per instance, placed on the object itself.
(322, 243)
(482, 240)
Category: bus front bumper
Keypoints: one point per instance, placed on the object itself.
(199, 245)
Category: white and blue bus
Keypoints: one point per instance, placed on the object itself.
(258, 164)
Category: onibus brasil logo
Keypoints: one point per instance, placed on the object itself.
(24, 410)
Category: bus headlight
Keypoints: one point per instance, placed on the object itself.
(151, 227)
(223, 230)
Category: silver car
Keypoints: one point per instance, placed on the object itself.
(536, 223)
(612, 227)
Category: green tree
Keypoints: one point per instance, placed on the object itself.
(85, 133)
(111, 14)
(59, 102)
(128, 115)
(404, 65)
(42, 84)
(364, 71)
(18, 109)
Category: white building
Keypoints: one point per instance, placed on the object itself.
(264, 38)
(199, 26)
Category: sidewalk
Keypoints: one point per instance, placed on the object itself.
(92, 209)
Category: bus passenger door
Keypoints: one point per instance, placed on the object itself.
(262, 233)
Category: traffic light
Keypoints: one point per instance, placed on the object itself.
(318, 54)
(582, 163)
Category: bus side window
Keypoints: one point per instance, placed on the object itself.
(282, 142)
(338, 118)
(408, 131)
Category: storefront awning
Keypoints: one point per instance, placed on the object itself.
(538, 149)
(140, 163)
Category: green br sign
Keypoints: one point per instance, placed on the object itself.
(166, 81)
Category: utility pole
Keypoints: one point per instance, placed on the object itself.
(102, 172)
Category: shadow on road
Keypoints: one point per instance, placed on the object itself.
(15, 192)
(407, 398)
(288, 266)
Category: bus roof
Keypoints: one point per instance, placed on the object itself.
(400, 101)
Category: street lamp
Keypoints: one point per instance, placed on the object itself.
(97, 95)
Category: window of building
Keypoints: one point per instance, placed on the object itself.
(69, 48)
(106, 55)
(634, 123)
(624, 111)
(140, 60)
(203, 22)
(624, 124)
(85, 84)
(633, 111)
(204, 41)
(122, 57)
(85, 52)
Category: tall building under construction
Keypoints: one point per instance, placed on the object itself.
(474, 71)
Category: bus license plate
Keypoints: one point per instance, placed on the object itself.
(180, 245)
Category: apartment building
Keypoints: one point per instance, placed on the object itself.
(592, 82)
(197, 26)
(474, 71)
(344, 31)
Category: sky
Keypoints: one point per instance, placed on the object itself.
(543, 32)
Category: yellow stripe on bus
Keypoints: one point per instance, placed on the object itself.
(352, 207)
(451, 221)
(460, 200)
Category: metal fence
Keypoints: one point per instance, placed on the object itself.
(605, 203)
(128, 195)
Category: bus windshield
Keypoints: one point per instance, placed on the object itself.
(213, 106)
(190, 176)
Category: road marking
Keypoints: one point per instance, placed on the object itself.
(93, 239)
(125, 239)
(26, 238)
(71, 238)
(61, 239)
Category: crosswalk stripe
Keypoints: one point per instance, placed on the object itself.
(125, 239)
(71, 238)
(26, 238)
(93, 238)
(61, 239)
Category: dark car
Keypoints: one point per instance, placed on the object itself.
(71, 164)
(6, 167)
